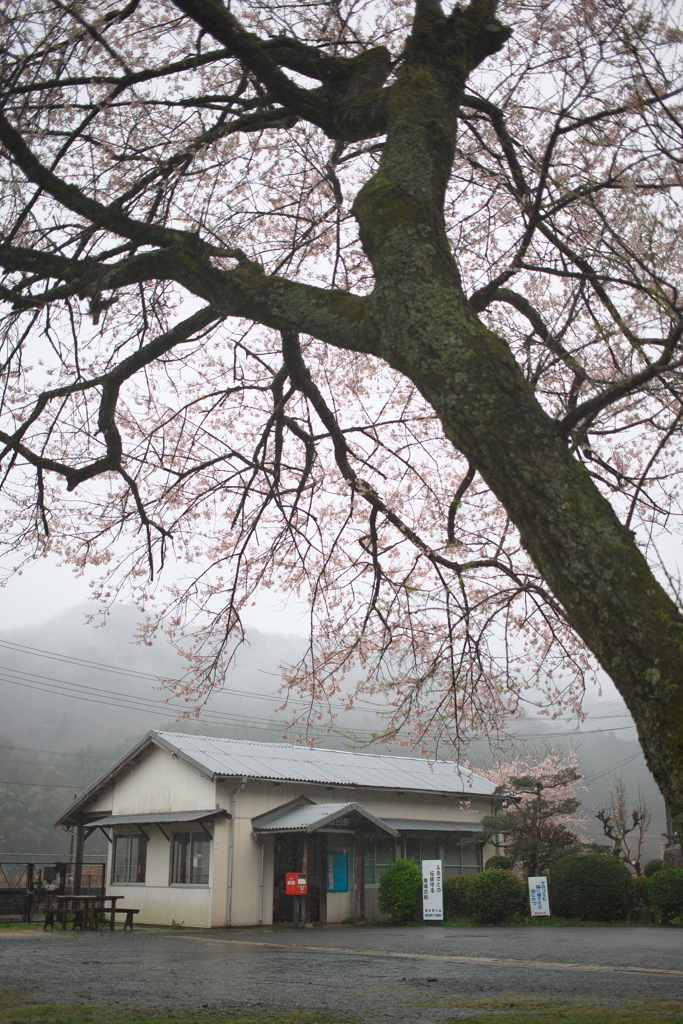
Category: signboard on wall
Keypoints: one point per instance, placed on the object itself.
(432, 890)
(538, 896)
(337, 872)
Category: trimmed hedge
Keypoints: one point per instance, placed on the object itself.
(642, 886)
(400, 890)
(498, 861)
(593, 887)
(665, 889)
(652, 866)
(455, 895)
(492, 895)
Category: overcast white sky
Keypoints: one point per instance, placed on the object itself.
(44, 589)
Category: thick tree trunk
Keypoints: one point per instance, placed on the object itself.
(430, 333)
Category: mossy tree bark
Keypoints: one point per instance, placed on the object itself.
(430, 333)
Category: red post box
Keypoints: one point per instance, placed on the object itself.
(296, 883)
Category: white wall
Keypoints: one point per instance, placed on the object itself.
(157, 784)
(257, 797)
(161, 782)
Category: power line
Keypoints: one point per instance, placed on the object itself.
(96, 695)
(65, 753)
(53, 767)
(151, 677)
(39, 785)
(148, 676)
(620, 764)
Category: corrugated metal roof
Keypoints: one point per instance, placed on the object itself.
(285, 762)
(309, 817)
(167, 818)
(420, 825)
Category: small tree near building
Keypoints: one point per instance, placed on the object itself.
(626, 827)
(539, 800)
(399, 890)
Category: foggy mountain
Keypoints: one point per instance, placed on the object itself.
(75, 697)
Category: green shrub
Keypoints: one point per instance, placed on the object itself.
(642, 897)
(498, 861)
(492, 895)
(652, 866)
(665, 889)
(455, 895)
(400, 890)
(593, 887)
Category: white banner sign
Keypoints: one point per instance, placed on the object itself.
(432, 890)
(538, 896)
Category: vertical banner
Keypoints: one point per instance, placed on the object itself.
(432, 890)
(538, 896)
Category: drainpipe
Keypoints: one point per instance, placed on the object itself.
(231, 856)
(259, 839)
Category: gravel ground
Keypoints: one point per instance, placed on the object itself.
(386, 974)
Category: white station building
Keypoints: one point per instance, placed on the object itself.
(203, 831)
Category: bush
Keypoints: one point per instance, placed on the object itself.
(492, 895)
(400, 890)
(593, 887)
(665, 889)
(652, 866)
(498, 861)
(642, 896)
(455, 895)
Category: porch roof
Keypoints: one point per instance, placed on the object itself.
(164, 818)
(426, 825)
(309, 817)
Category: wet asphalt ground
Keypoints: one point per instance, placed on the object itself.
(425, 975)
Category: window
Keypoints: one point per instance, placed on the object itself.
(190, 858)
(377, 855)
(461, 858)
(421, 848)
(130, 859)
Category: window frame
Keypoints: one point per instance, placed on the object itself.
(196, 837)
(450, 869)
(134, 866)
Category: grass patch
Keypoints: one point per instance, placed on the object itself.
(17, 1007)
(20, 926)
(515, 1010)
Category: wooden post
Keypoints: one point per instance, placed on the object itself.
(78, 859)
(323, 881)
(304, 868)
(28, 906)
(360, 878)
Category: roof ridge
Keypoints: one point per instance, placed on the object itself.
(326, 750)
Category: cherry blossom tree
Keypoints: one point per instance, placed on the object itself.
(540, 797)
(378, 302)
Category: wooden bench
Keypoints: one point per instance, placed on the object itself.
(128, 911)
(62, 913)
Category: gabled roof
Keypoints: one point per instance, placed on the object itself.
(283, 762)
(288, 763)
(297, 816)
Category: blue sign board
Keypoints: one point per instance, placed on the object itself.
(337, 872)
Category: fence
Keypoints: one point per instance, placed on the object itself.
(27, 887)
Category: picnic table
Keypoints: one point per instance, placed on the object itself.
(87, 908)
